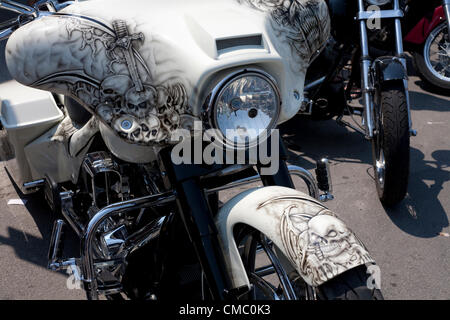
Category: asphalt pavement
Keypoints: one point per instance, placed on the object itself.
(409, 242)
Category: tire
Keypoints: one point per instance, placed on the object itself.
(351, 285)
(391, 143)
(422, 59)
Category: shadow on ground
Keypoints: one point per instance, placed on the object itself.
(421, 213)
(28, 247)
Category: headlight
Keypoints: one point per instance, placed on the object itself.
(245, 106)
(378, 2)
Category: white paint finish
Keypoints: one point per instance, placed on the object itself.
(23, 107)
(177, 47)
(315, 241)
(49, 154)
(26, 113)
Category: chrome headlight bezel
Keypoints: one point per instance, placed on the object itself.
(216, 93)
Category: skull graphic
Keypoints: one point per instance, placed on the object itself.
(327, 236)
(151, 129)
(141, 103)
(115, 86)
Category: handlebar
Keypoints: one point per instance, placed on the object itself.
(27, 13)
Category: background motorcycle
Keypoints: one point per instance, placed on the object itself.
(427, 38)
(376, 66)
(151, 228)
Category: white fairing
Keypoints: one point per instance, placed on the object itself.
(145, 67)
(316, 242)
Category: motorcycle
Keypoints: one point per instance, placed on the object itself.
(365, 57)
(429, 41)
(108, 96)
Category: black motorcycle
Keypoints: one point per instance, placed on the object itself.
(365, 59)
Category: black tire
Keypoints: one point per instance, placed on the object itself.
(351, 285)
(391, 143)
(420, 63)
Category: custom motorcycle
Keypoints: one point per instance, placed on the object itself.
(364, 58)
(428, 39)
(108, 96)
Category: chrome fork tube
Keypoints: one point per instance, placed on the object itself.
(446, 4)
(401, 56)
(366, 84)
(87, 261)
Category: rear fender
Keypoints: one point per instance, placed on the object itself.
(317, 244)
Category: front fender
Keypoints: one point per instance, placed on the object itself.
(317, 244)
(389, 69)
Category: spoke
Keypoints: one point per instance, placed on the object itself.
(284, 279)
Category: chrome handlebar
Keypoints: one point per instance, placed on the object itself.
(28, 13)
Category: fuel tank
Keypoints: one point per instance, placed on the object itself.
(145, 68)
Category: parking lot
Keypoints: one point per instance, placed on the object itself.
(410, 243)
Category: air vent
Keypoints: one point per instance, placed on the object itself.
(247, 41)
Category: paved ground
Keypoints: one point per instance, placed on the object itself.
(414, 258)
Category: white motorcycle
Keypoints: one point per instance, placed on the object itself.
(105, 86)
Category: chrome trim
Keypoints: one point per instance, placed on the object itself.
(447, 15)
(34, 184)
(32, 12)
(365, 75)
(69, 213)
(288, 290)
(314, 84)
(328, 193)
(55, 241)
(382, 14)
(264, 285)
(293, 170)
(19, 8)
(210, 104)
(87, 240)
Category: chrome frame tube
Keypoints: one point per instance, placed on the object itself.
(87, 262)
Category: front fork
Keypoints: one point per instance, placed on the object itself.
(367, 82)
(446, 5)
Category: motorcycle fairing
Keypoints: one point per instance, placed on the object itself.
(139, 65)
(318, 244)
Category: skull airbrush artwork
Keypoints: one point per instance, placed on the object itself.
(319, 244)
(112, 80)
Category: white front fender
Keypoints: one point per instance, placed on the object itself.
(316, 242)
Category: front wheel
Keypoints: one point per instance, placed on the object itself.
(271, 281)
(433, 60)
(391, 143)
